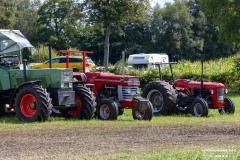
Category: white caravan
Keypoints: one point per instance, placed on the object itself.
(142, 60)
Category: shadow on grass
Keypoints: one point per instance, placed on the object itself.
(10, 120)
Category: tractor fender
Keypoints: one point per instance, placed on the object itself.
(23, 84)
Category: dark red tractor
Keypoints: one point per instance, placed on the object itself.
(113, 93)
(185, 95)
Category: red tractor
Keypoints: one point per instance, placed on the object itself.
(113, 92)
(187, 95)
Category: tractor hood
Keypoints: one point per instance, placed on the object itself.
(110, 78)
(12, 41)
(189, 84)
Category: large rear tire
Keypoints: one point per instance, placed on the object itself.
(32, 103)
(228, 108)
(162, 95)
(84, 104)
(107, 109)
(199, 108)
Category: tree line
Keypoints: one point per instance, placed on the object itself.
(183, 29)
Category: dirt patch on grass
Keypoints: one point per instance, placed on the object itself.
(78, 141)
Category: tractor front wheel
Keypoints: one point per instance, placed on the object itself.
(107, 110)
(199, 108)
(84, 104)
(228, 108)
(32, 103)
(146, 114)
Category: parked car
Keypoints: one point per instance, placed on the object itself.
(75, 62)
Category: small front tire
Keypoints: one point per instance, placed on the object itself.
(107, 110)
(228, 108)
(199, 108)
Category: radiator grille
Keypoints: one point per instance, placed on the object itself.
(129, 92)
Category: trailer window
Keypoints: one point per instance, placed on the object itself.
(138, 58)
(140, 66)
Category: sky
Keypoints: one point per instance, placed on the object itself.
(153, 2)
(160, 2)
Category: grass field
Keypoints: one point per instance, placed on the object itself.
(14, 126)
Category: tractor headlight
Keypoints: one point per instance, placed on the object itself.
(220, 94)
(66, 79)
(133, 81)
(66, 76)
(226, 91)
(211, 91)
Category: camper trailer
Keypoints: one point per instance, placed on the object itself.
(142, 60)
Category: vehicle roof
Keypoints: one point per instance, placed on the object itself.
(70, 57)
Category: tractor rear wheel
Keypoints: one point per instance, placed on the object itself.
(107, 109)
(162, 95)
(32, 103)
(84, 104)
(228, 108)
(199, 108)
(146, 114)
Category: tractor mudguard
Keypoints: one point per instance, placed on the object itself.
(25, 83)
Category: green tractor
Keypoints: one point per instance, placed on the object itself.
(32, 93)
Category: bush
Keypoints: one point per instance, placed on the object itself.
(42, 54)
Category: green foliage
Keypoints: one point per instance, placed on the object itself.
(42, 54)
(59, 22)
(26, 17)
(223, 70)
(7, 16)
(225, 15)
(116, 68)
(114, 13)
(173, 24)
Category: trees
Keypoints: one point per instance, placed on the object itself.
(114, 13)
(225, 14)
(7, 16)
(172, 31)
(59, 22)
(26, 17)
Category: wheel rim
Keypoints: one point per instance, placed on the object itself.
(28, 105)
(76, 111)
(139, 115)
(198, 109)
(104, 111)
(156, 98)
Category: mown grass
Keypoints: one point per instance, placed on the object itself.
(13, 125)
(179, 154)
